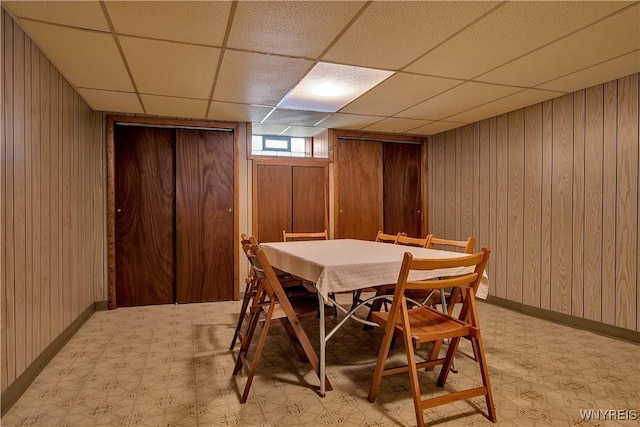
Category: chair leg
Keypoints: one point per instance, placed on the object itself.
(413, 371)
(248, 294)
(294, 340)
(253, 364)
(383, 353)
(484, 371)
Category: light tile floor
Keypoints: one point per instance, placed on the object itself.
(171, 366)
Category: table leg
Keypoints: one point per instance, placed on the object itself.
(323, 345)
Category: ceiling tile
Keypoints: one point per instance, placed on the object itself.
(267, 129)
(461, 98)
(187, 70)
(349, 121)
(389, 35)
(619, 67)
(297, 28)
(174, 107)
(105, 100)
(436, 127)
(86, 58)
(255, 78)
(237, 112)
(509, 103)
(302, 131)
(510, 31)
(203, 22)
(295, 117)
(396, 125)
(86, 14)
(398, 93)
(612, 37)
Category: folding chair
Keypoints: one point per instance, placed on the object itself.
(271, 303)
(426, 324)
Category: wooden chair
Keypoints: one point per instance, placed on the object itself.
(288, 236)
(467, 246)
(294, 288)
(425, 324)
(381, 237)
(434, 242)
(249, 292)
(387, 238)
(270, 303)
(420, 242)
(401, 239)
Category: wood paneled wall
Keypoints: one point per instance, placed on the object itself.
(553, 190)
(52, 203)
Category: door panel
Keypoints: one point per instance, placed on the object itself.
(204, 215)
(274, 191)
(359, 189)
(402, 190)
(308, 199)
(144, 224)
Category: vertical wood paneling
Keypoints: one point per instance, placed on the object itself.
(439, 178)
(557, 201)
(492, 201)
(37, 144)
(8, 296)
(593, 203)
(532, 203)
(561, 204)
(459, 176)
(36, 275)
(28, 203)
(577, 263)
(501, 213)
(609, 203)
(515, 221)
(19, 198)
(45, 194)
(484, 203)
(67, 237)
(466, 182)
(56, 205)
(449, 186)
(547, 168)
(627, 203)
(475, 194)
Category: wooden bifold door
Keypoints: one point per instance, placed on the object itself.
(174, 215)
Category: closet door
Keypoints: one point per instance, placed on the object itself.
(308, 199)
(402, 190)
(273, 201)
(204, 215)
(144, 222)
(359, 187)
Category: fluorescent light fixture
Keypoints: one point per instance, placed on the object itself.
(329, 87)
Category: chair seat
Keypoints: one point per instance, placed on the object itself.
(427, 324)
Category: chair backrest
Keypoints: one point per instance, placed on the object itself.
(470, 279)
(387, 238)
(288, 236)
(467, 246)
(420, 242)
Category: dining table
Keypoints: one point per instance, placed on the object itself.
(345, 265)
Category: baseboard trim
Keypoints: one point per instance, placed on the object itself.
(11, 395)
(568, 320)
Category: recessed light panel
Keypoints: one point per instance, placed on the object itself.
(329, 87)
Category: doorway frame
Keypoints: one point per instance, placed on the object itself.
(111, 121)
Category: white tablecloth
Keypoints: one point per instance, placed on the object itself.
(345, 264)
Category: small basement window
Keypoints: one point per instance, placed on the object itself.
(278, 145)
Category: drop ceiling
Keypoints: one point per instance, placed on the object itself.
(453, 62)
